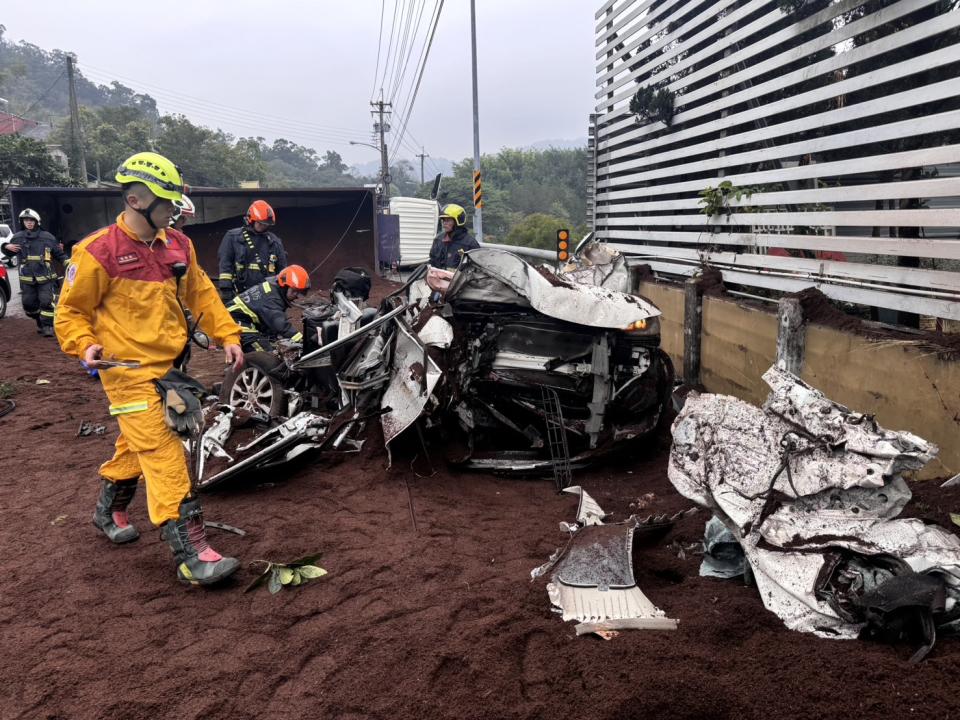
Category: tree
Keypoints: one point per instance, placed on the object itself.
(536, 231)
(110, 134)
(207, 157)
(27, 162)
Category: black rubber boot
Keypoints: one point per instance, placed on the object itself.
(47, 330)
(197, 562)
(111, 513)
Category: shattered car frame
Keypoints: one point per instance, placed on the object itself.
(513, 368)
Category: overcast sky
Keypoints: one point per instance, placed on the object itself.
(305, 70)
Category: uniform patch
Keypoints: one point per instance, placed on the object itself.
(127, 259)
(71, 274)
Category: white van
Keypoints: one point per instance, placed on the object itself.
(418, 228)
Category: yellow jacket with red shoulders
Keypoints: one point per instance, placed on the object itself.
(120, 292)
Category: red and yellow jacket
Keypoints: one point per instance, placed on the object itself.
(120, 292)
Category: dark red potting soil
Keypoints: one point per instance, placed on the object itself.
(440, 623)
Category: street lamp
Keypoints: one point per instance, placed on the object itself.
(354, 142)
(385, 178)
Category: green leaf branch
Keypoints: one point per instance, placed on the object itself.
(277, 575)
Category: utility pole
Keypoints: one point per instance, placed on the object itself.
(76, 130)
(381, 114)
(422, 155)
(477, 188)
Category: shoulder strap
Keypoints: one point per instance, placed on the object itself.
(252, 247)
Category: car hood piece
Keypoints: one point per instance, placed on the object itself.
(593, 580)
(490, 275)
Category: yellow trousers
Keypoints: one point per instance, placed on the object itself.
(147, 447)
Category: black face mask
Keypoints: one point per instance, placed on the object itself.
(149, 211)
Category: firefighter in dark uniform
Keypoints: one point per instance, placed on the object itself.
(250, 254)
(261, 311)
(453, 240)
(37, 249)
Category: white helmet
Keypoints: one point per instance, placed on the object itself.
(184, 207)
(30, 214)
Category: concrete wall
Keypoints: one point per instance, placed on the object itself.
(670, 302)
(906, 386)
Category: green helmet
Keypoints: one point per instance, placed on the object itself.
(155, 171)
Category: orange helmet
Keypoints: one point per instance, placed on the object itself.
(294, 276)
(260, 211)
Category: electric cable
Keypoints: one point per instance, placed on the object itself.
(44, 94)
(213, 106)
(386, 65)
(420, 60)
(344, 235)
(376, 72)
(426, 56)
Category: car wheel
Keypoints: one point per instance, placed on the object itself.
(15, 261)
(254, 388)
(3, 303)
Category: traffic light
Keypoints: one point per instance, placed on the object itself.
(563, 245)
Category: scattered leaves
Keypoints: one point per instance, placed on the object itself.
(59, 520)
(297, 572)
(7, 390)
(955, 517)
(41, 381)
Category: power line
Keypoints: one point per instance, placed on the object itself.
(413, 43)
(376, 72)
(402, 36)
(193, 101)
(386, 65)
(416, 89)
(423, 49)
(44, 94)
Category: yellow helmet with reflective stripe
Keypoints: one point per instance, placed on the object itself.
(155, 171)
(455, 213)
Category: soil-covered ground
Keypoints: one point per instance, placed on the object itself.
(425, 613)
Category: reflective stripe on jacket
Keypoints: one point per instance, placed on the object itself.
(38, 250)
(263, 309)
(120, 292)
(247, 258)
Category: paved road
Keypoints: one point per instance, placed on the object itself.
(15, 308)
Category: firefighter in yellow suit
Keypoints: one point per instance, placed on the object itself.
(120, 302)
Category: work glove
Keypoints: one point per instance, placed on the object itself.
(181, 395)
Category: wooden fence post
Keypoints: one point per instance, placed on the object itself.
(692, 324)
(791, 335)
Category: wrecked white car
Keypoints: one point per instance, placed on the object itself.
(812, 491)
(510, 367)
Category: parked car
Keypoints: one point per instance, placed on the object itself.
(5, 291)
(5, 234)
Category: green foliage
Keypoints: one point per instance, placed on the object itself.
(539, 231)
(294, 573)
(518, 183)
(716, 200)
(207, 157)
(34, 80)
(7, 390)
(27, 161)
(653, 104)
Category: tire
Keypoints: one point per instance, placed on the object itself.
(255, 388)
(3, 303)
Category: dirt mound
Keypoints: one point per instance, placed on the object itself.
(438, 622)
